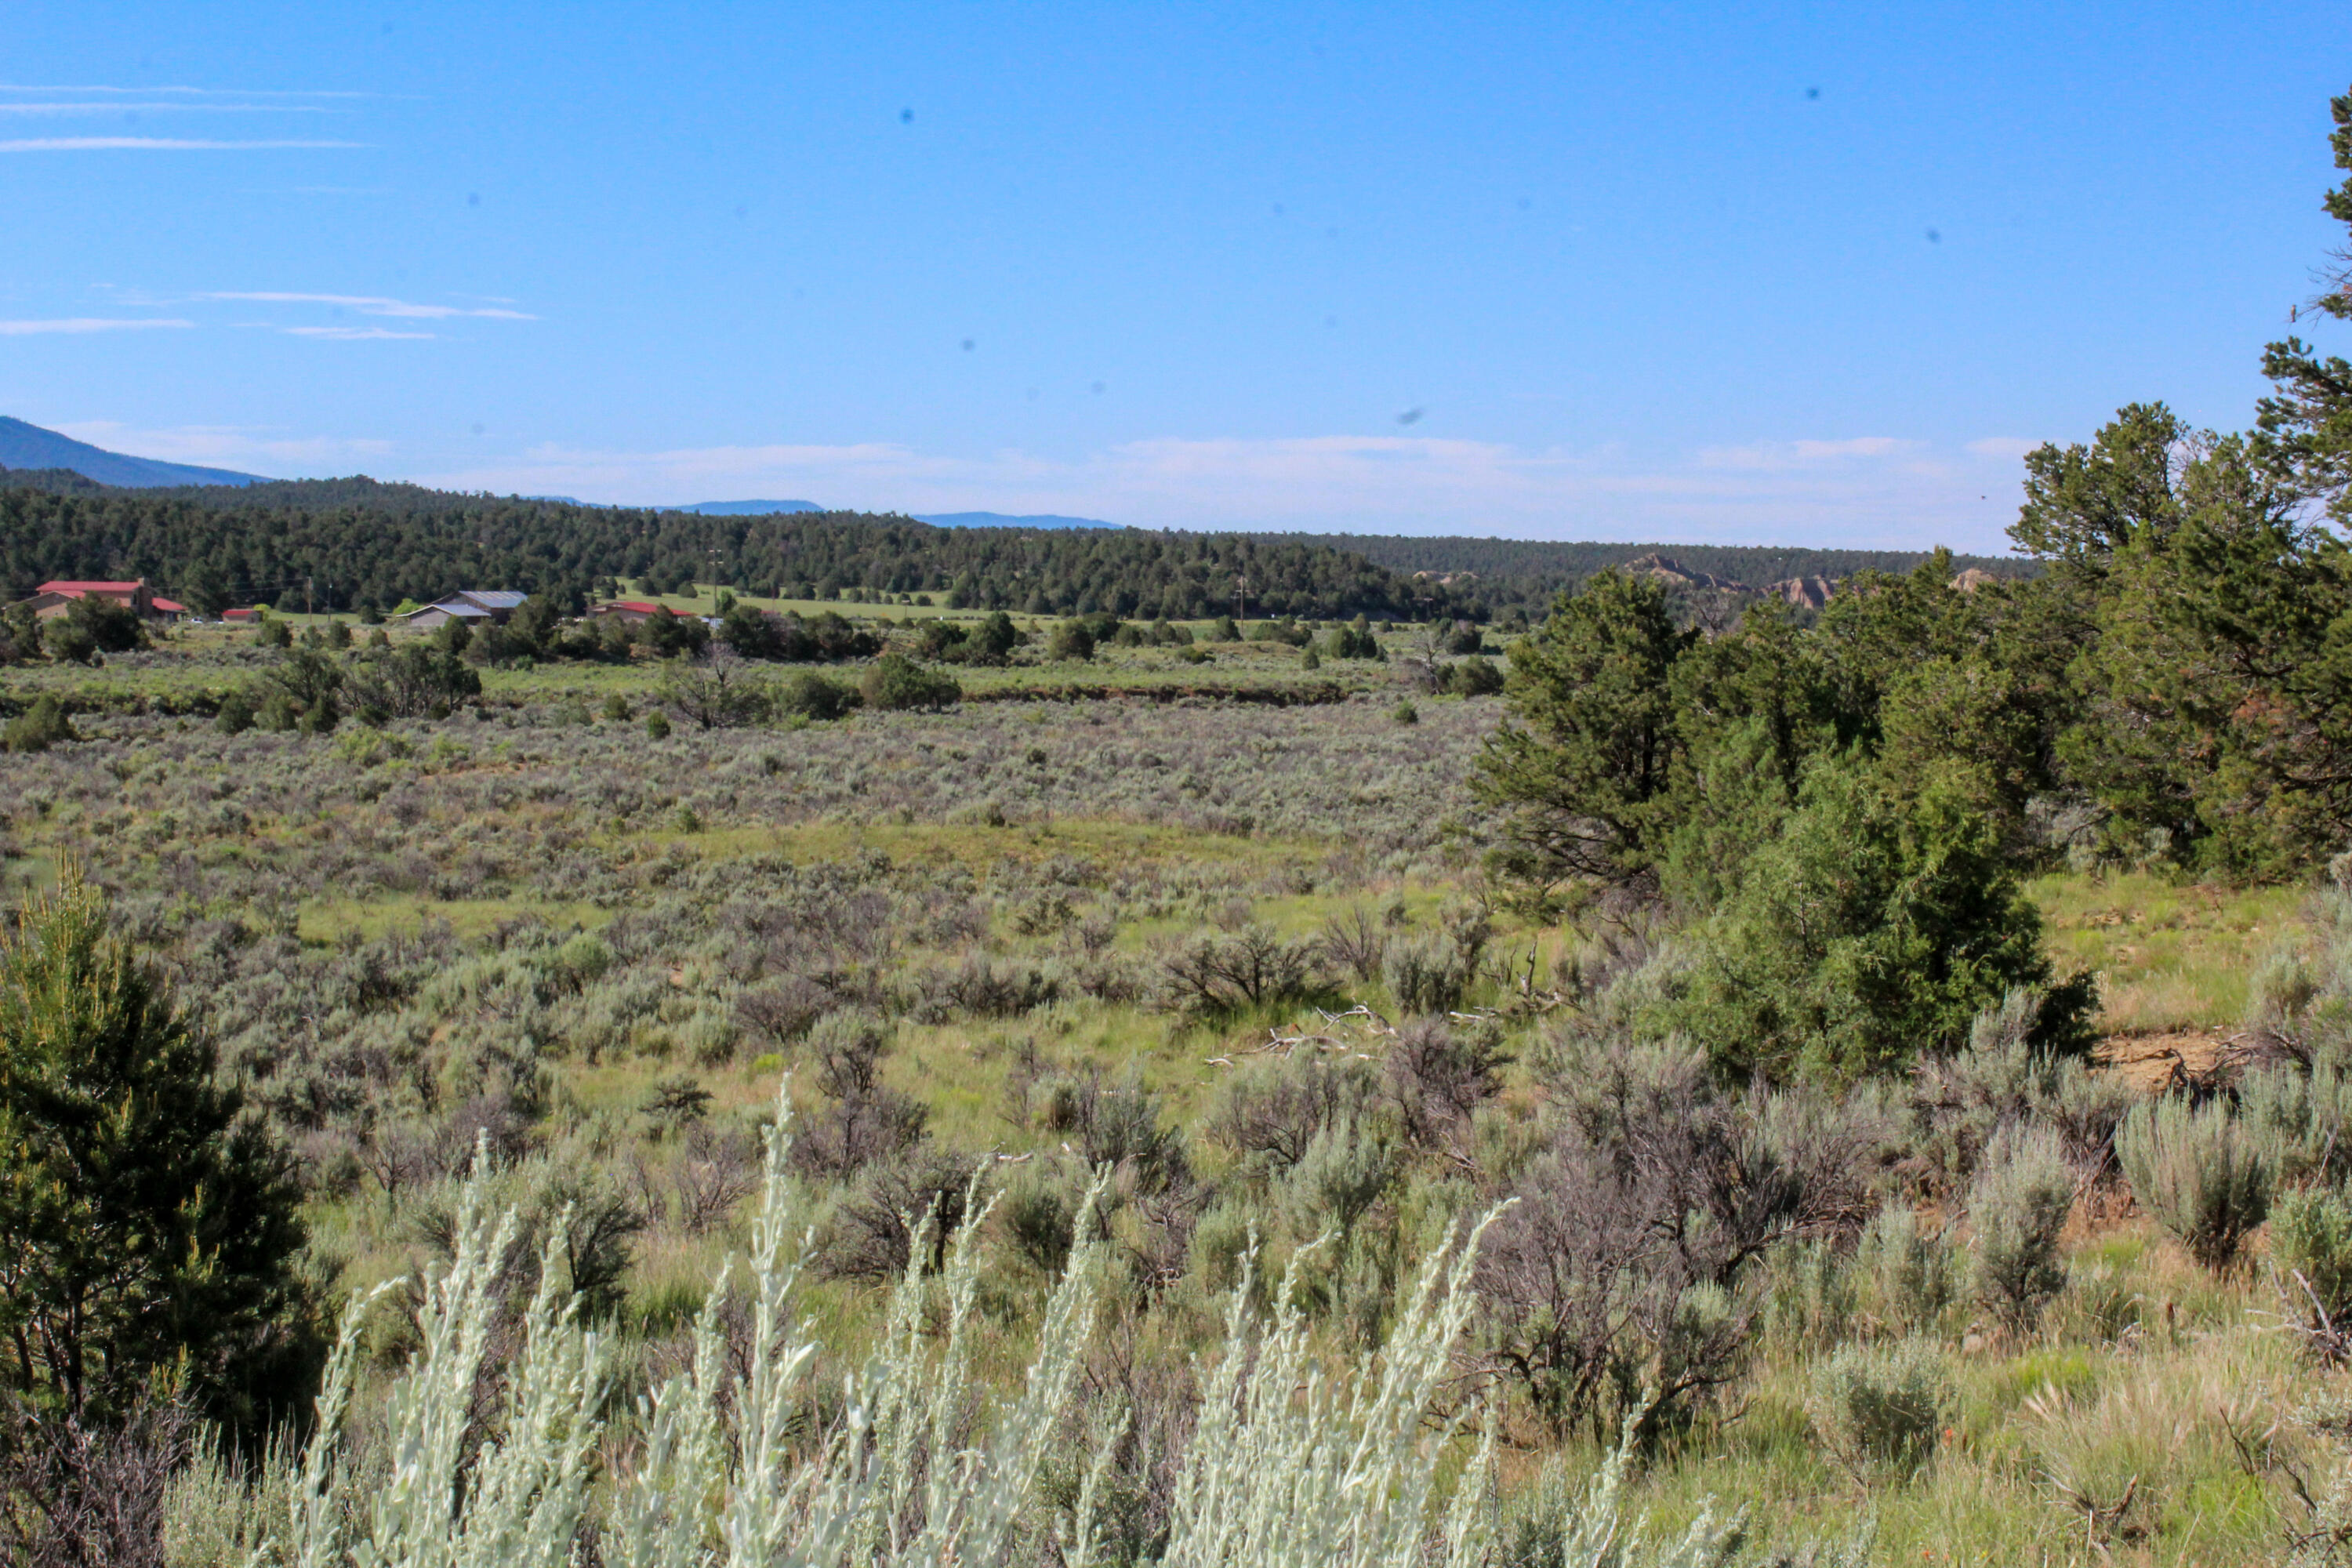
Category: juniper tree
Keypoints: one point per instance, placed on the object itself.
(1582, 771)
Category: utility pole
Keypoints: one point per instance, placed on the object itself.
(1241, 598)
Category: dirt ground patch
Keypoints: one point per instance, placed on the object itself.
(2156, 1061)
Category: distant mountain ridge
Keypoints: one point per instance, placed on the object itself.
(23, 445)
(745, 508)
(30, 447)
(1006, 519)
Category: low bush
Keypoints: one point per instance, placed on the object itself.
(2311, 1246)
(1253, 966)
(1440, 1077)
(40, 726)
(1881, 1408)
(2017, 1206)
(2198, 1172)
(2299, 1115)
(1270, 1115)
(981, 986)
(897, 683)
(1473, 677)
(806, 694)
(1631, 1254)
(235, 714)
(712, 695)
(1908, 1272)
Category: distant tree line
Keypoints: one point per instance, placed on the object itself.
(1522, 575)
(342, 544)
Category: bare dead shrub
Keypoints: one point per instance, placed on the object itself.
(82, 1495)
(1438, 1077)
(780, 1013)
(867, 1120)
(720, 1170)
(1628, 1259)
(1254, 966)
(1353, 942)
(873, 1232)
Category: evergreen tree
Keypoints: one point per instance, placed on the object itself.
(1580, 774)
(147, 1228)
(1869, 927)
(2307, 422)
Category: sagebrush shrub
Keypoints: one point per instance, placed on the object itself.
(2300, 1115)
(1908, 1272)
(1424, 973)
(2311, 1244)
(1290, 1463)
(2017, 1206)
(2198, 1172)
(1882, 1407)
(1270, 1114)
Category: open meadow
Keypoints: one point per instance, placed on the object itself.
(1241, 957)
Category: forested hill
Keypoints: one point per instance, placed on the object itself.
(1525, 574)
(342, 543)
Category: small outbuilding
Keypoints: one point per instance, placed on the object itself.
(475, 606)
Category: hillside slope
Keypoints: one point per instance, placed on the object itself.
(23, 445)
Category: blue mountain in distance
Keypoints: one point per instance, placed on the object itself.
(745, 508)
(23, 445)
(1001, 520)
(938, 518)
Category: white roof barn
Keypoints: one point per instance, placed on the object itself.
(469, 605)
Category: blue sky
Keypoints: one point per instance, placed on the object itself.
(1729, 274)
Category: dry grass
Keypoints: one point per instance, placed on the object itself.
(2048, 1432)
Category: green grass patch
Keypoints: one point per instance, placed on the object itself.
(2168, 955)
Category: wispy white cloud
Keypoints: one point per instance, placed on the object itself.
(86, 324)
(151, 144)
(352, 334)
(160, 107)
(2007, 449)
(374, 305)
(1775, 455)
(192, 91)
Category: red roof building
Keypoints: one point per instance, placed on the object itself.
(53, 599)
(629, 610)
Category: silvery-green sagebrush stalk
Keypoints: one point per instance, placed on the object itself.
(516, 1502)
(1287, 1468)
